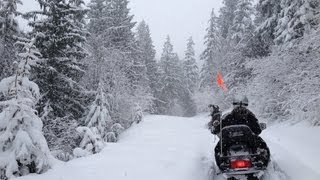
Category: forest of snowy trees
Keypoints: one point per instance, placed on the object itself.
(268, 51)
(86, 72)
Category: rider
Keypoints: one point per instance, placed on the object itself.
(240, 115)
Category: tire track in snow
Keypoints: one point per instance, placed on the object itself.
(285, 166)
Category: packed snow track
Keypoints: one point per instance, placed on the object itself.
(168, 148)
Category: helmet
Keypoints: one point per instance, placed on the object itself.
(240, 101)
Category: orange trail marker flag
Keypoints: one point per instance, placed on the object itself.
(220, 81)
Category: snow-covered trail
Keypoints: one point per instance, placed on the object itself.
(175, 148)
(295, 149)
(160, 148)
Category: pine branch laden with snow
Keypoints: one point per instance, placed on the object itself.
(98, 119)
(23, 146)
(267, 18)
(91, 142)
(137, 114)
(113, 135)
(296, 19)
(117, 129)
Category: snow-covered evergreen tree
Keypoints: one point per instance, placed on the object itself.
(60, 41)
(97, 15)
(116, 59)
(210, 54)
(171, 79)
(137, 114)
(21, 140)
(190, 67)
(60, 44)
(242, 28)
(297, 17)
(115, 130)
(147, 54)
(267, 16)
(98, 120)
(8, 31)
(61, 135)
(91, 143)
(119, 34)
(226, 17)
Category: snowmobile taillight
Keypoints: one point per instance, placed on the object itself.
(241, 163)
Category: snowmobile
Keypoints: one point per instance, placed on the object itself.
(238, 157)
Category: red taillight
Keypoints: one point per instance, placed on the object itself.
(240, 163)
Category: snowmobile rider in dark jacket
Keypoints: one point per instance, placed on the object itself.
(240, 115)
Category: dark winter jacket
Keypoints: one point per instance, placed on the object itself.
(241, 116)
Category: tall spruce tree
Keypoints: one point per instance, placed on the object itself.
(60, 41)
(242, 28)
(116, 59)
(171, 78)
(147, 54)
(209, 55)
(60, 38)
(119, 34)
(266, 19)
(226, 17)
(8, 31)
(267, 16)
(190, 67)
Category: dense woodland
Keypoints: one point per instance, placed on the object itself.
(87, 72)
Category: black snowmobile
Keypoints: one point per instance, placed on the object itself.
(238, 157)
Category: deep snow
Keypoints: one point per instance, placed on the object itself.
(175, 148)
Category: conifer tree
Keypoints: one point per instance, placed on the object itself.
(99, 119)
(190, 67)
(61, 46)
(171, 78)
(226, 17)
(242, 28)
(21, 138)
(297, 17)
(61, 37)
(147, 54)
(9, 31)
(267, 18)
(209, 55)
(119, 34)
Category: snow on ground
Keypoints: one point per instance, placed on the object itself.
(160, 148)
(295, 149)
(175, 148)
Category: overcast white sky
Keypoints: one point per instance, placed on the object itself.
(178, 18)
